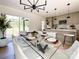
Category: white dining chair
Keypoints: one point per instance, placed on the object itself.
(71, 53)
(72, 49)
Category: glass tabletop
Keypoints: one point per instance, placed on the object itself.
(39, 42)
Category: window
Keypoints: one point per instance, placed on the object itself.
(18, 24)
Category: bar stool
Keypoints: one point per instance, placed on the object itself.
(68, 35)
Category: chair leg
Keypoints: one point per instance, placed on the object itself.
(73, 38)
(64, 40)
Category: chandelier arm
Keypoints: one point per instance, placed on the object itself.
(23, 3)
(30, 2)
(45, 2)
(26, 8)
(31, 10)
(41, 5)
(41, 8)
(36, 2)
(37, 10)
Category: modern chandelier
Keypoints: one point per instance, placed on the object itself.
(33, 5)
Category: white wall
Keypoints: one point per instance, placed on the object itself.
(35, 20)
(73, 20)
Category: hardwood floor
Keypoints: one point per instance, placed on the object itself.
(7, 52)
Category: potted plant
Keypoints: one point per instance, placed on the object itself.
(4, 24)
(34, 33)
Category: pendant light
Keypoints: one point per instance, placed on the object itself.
(55, 14)
(68, 16)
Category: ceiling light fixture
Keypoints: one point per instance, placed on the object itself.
(68, 10)
(33, 6)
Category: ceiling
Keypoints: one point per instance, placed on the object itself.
(61, 6)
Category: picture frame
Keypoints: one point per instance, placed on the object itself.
(63, 22)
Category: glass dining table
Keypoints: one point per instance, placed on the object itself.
(41, 46)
